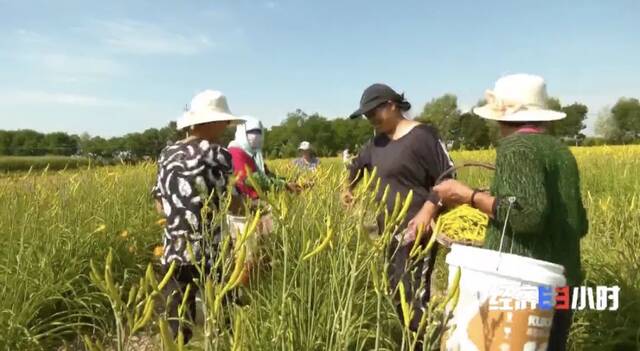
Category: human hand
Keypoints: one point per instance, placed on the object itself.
(453, 193)
(421, 221)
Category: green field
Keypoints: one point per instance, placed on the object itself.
(54, 223)
(24, 163)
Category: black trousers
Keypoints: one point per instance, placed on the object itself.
(560, 327)
(415, 275)
(174, 292)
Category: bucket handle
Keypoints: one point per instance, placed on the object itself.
(453, 169)
(511, 200)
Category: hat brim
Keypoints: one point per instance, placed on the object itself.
(540, 115)
(368, 107)
(191, 118)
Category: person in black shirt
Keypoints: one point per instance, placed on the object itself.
(408, 156)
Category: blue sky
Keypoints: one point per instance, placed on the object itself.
(112, 67)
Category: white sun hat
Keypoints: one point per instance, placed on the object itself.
(305, 145)
(207, 106)
(518, 98)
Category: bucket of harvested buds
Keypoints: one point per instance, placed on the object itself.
(464, 224)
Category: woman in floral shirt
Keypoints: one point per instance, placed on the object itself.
(192, 176)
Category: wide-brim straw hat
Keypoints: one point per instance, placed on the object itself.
(206, 107)
(518, 98)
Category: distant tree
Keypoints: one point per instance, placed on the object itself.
(350, 134)
(626, 113)
(152, 142)
(606, 126)
(572, 124)
(443, 114)
(5, 142)
(84, 141)
(283, 140)
(170, 133)
(96, 146)
(553, 103)
(474, 132)
(27, 142)
(59, 143)
(328, 136)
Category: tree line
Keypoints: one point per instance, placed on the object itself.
(459, 129)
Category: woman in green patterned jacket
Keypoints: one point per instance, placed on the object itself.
(538, 177)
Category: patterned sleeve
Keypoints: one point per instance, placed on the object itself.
(218, 167)
(217, 157)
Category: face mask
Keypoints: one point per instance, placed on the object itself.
(255, 140)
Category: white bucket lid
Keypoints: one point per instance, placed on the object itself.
(510, 266)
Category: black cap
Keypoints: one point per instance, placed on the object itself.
(377, 94)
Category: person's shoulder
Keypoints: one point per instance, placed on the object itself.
(532, 139)
(554, 146)
(169, 150)
(212, 152)
(426, 130)
(237, 152)
(528, 145)
(204, 145)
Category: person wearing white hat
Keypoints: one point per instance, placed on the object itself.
(346, 157)
(307, 159)
(192, 176)
(535, 194)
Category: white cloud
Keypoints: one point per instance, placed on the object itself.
(80, 65)
(145, 38)
(25, 36)
(36, 97)
(58, 59)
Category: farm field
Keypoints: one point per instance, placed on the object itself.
(24, 163)
(56, 222)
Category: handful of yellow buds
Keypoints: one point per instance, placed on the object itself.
(462, 225)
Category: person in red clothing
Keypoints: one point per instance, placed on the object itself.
(247, 159)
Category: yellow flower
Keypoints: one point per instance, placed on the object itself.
(132, 249)
(101, 228)
(158, 251)
(124, 234)
(161, 221)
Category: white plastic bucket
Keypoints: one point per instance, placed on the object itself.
(490, 281)
(237, 224)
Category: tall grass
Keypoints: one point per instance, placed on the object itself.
(55, 223)
(52, 224)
